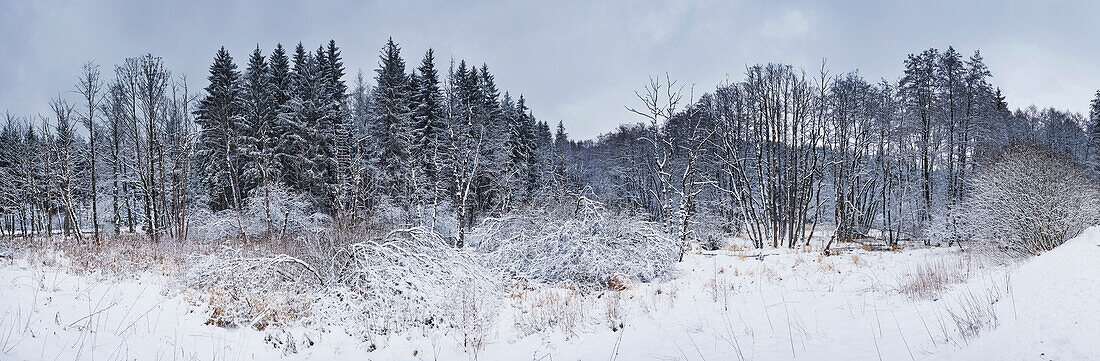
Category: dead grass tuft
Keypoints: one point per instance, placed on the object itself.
(930, 279)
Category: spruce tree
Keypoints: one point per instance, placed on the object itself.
(258, 131)
(528, 139)
(519, 145)
(342, 126)
(390, 127)
(492, 181)
(335, 72)
(513, 168)
(490, 99)
(1094, 131)
(427, 114)
(281, 80)
(324, 71)
(279, 72)
(323, 129)
(561, 138)
(298, 127)
(301, 58)
(219, 115)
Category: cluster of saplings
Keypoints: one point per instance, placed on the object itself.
(772, 158)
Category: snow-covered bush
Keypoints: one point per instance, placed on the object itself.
(413, 277)
(207, 226)
(579, 241)
(252, 291)
(1032, 199)
(949, 226)
(284, 211)
(278, 210)
(371, 287)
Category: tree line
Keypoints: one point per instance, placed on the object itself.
(771, 157)
(774, 156)
(415, 146)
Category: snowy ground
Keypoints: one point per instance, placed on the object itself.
(724, 305)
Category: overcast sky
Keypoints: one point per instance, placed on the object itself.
(576, 61)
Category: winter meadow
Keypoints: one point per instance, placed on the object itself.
(291, 203)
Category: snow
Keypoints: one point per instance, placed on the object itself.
(1054, 312)
(723, 305)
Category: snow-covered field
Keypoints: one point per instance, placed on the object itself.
(722, 305)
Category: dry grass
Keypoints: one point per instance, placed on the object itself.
(538, 310)
(114, 256)
(970, 313)
(930, 279)
(614, 310)
(618, 282)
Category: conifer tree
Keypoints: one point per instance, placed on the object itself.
(281, 81)
(390, 127)
(520, 146)
(292, 126)
(301, 59)
(561, 138)
(219, 115)
(490, 97)
(280, 77)
(302, 144)
(427, 114)
(1094, 131)
(335, 73)
(257, 135)
(323, 133)
(544, 151)
(492, 182)
(342, 129)
(526, 131)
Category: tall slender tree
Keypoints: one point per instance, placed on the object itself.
(427, 115)
(1094, 131)
(65, 149)
(918, 90)
(257, 134)
(391, 125)
(220, 116)
(91, 88)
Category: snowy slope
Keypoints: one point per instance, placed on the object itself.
(1054, 311)
(724, 306)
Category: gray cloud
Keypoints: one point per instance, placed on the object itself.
(576, 61)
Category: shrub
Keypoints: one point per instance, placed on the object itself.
(412, 276)
(1031, 199)
(579, 242)
(370, 287)
(277, 209)
(252, 291)
(289, 213)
